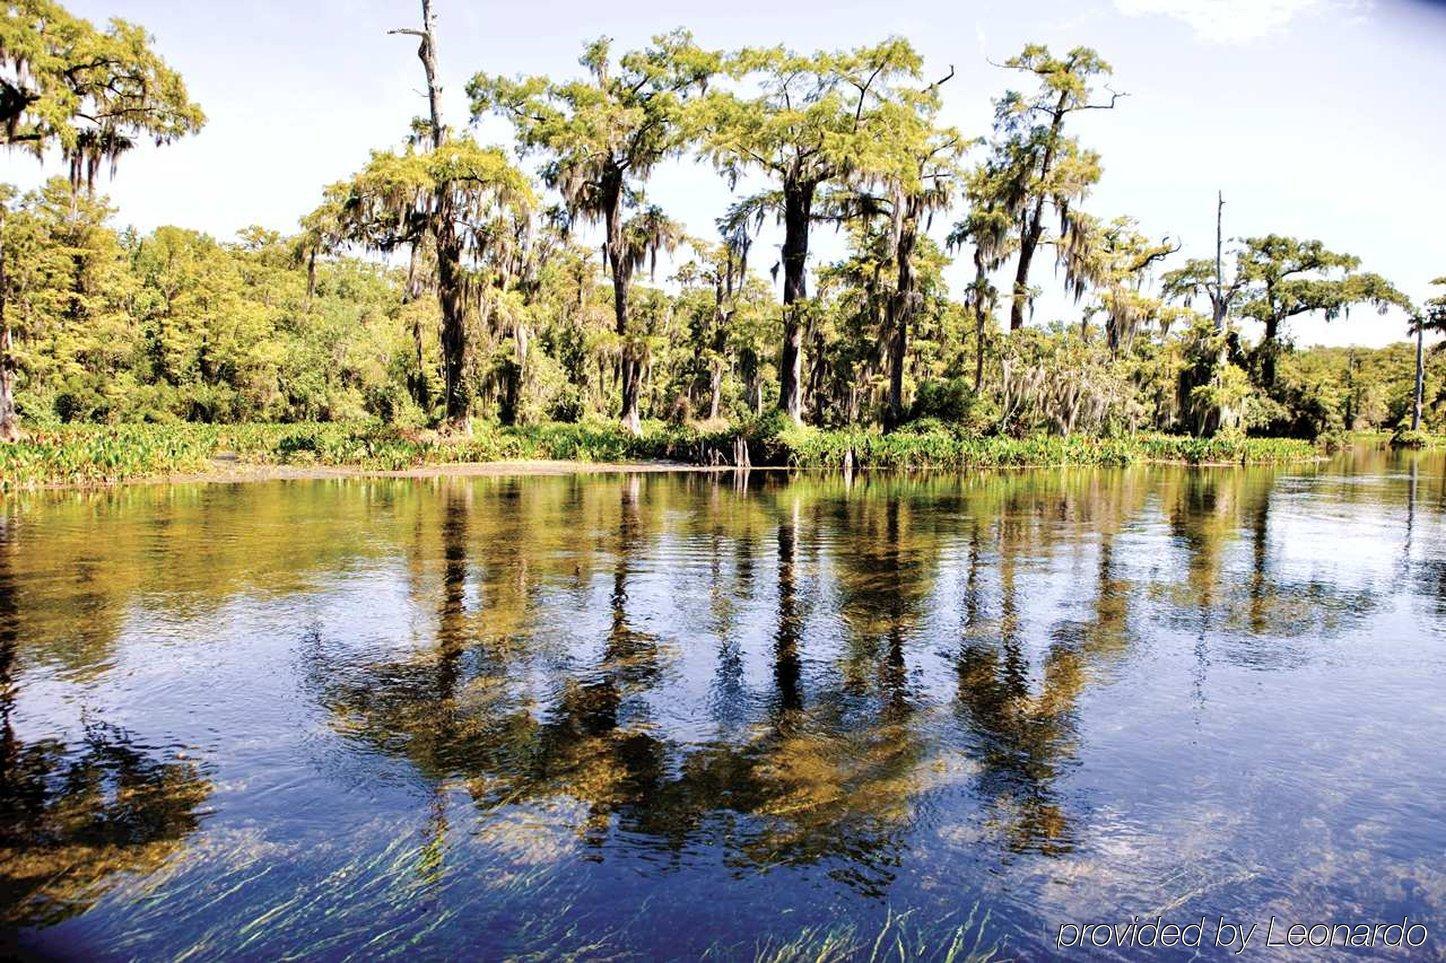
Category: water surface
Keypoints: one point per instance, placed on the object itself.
(649, 716)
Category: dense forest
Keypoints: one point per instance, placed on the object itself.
(445, 281)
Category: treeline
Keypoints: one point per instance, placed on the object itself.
(443, 282)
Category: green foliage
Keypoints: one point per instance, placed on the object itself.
(91, 93)
(1413, 439)
(1288, 276)
(943, 449)
(1033, 163)
(1066, 382)
(1228, 388)
(808, 119)
(97, 454)
(388, 204)
(500, 314)
(174, 325)
(601, 139)
(954, 403)
(1284, 277)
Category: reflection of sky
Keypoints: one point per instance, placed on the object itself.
(1270, 749)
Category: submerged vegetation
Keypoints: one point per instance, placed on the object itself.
(445, 287)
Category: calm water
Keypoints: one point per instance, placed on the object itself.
(651, 715)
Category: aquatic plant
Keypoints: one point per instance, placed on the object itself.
(104, 454)
(899, 940)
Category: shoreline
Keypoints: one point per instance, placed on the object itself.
(229, 472)
(91, 457)
(233, 472)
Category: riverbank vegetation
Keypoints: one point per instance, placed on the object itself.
(99, 454)
(445, 303)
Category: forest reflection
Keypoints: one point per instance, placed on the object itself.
(773, 671)
(74, 816)
(820, 753)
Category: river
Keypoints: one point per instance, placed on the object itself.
(653, 716)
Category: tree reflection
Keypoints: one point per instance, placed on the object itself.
(787, 669)
(827, 778)
(1212, 510)
(823, 756)
(680, 673)
(74, 817)
(1020, 736)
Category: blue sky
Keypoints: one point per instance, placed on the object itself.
(1320, 118)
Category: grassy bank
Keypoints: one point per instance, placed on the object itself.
(99, 454)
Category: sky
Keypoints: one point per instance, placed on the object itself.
(1316, 118)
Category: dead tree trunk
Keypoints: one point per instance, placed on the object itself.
(450, 276)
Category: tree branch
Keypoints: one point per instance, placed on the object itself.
(942, 80)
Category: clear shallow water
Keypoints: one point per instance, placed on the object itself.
(651, 715)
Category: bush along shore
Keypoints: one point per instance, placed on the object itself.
(103, 454)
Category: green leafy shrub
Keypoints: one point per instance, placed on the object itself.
(1408, 439)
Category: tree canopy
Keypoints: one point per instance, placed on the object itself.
(602, 137)
(445, 280)
(93, 94)
(810, 121)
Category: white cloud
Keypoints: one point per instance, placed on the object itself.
(1234, 21)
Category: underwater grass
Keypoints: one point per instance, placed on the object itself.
(103, 454)
(899, 940)
(245, 898)
(239, 896)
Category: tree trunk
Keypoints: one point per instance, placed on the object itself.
(629, 369)
(514, 377)
(1028, 240)
(1217, 302)
(981, 317)
(1419, 396)
(901, 309)
(1218, 416)
(454, 318)
(9, 419)
(629, 366)
(1268, 347)
(898, 348)
(721, 318)
(1034, 227)
(456, 402)
(797, 216)
(421, 394)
